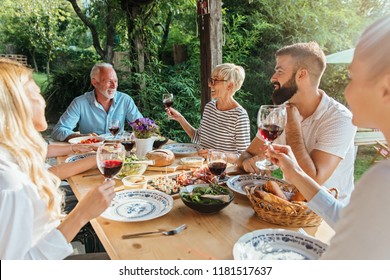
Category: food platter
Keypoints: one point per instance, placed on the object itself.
(138, 205)
(277, 244)
(238, 183)
(77, 157)
(182, 149)
(87, 140)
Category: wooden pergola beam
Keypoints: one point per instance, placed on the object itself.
(210, 29)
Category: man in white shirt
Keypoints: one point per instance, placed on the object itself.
(319, 129)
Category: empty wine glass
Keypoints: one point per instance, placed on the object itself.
(110, 157)
(113, 127)
(271, 121)
(167, 100)
(217, 162)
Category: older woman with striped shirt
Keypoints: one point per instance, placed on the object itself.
(225, 123)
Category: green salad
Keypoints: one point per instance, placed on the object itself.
(130, 168)
(197, 192)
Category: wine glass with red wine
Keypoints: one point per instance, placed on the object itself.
(110, 157)
(113, 127)
(271, 121)
(217, 162)
(167, 100)
(128, 141)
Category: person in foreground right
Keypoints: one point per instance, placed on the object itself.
(362, 229)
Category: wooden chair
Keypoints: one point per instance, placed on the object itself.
(382, 150)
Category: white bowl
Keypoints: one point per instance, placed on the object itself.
(134, 182)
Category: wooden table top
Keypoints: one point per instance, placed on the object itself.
(208, 236)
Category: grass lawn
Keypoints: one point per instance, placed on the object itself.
(40, 79)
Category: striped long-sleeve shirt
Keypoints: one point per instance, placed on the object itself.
(223, 130)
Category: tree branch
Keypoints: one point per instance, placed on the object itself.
(91, 26)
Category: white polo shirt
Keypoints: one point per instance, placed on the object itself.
(330, 129)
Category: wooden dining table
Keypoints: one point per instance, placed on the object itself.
(207, 236)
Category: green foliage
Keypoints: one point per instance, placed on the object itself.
(41, 80)
(64, 85)
(159, 79)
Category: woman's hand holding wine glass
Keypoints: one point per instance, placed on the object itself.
(271, 121)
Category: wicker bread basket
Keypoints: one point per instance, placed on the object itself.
(292, 214)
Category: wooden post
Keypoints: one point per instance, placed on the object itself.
(210, 30)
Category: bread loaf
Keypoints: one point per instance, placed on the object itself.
(274, 188)
(161, 157)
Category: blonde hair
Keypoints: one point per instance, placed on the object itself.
(232, 73)
(306, 55)
(19, 136)
(373, 48)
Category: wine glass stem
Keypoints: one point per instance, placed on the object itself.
(267, 158)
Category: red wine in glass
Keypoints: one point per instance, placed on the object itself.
(270, 131)
(168, 103)
(114, 130)
(217, 168)
(110, 157)
(271, 121)
(111, 167)
(128, 145)
(217, 162)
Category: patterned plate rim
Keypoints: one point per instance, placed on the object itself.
(138, 194)
(230, 182)
(308, 246)
(190, 147)
(77, 157)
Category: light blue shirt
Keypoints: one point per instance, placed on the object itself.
(91, 116)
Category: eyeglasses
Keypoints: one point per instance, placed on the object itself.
(212, 81)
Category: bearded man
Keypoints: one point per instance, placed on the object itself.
(319, 129)
(93, 110)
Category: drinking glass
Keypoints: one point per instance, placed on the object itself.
(271, 121)
(217, 162)
(128, 141)
(113, 127)
(167, 100)
(110, 157)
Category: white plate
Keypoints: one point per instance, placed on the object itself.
(182, 149)
(238, 183)
(138, 205)
(77, 157)
(277, 244)
(77, 140)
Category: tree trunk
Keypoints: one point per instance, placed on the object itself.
(210, 29)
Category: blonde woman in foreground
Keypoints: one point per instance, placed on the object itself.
(363, 225)
(32, 225)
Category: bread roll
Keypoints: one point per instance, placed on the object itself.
(161, 157)
(273, 187)
(297, 197)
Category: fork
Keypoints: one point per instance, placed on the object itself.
(160, 231)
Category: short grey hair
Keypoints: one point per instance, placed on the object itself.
(232, 73)
(96, 69)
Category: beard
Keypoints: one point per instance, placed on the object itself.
(108, 93)
(285, 92)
